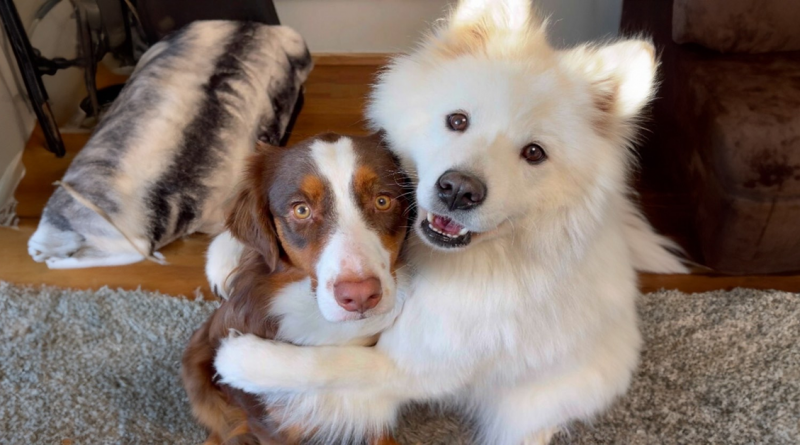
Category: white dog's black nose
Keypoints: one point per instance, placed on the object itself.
(461, 190)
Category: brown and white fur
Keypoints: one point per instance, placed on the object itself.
(521, 300)
(321, 226)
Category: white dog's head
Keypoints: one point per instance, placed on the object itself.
(497, 127)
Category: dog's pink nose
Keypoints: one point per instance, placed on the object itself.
(358, 296)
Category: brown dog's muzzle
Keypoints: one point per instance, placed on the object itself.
(358, 296)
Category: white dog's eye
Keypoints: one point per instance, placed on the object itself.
(457, 121)
(534, 154)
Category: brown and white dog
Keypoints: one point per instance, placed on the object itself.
(322, 224)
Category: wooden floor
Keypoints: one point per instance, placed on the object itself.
(335, 96)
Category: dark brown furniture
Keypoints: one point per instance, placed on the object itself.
(726, 125)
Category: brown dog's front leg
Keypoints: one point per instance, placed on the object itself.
(213, 439)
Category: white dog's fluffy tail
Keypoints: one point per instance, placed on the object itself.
(650, 251)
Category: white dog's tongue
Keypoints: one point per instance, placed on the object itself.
(446, 225)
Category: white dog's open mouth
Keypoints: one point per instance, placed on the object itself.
(443, 232)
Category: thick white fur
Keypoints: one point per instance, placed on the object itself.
(221, 259)
(303, 323)
(534, 324)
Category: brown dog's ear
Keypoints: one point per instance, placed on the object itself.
(250, 220)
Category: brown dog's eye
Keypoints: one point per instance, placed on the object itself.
(457, 122)
(534, 154)
(383, 202)
(301, 211)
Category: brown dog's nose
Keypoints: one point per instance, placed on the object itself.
(358, 296)
(460, 190)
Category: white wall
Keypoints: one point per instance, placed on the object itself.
(360, 26)
(15, 126)
(385, 26)
(577, 21)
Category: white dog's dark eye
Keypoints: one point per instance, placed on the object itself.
(457, 121)
(534, 154)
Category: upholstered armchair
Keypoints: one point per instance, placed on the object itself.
(727, 124)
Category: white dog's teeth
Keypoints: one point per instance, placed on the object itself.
(460, 233)
(443, 233)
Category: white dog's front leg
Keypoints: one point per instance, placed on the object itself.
(530, 413)
(256, 365)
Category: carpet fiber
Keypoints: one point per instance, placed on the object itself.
(102, 367)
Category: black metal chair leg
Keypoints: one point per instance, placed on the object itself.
(24, 54)
(86, 50)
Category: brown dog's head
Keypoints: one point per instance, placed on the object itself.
(333, 207)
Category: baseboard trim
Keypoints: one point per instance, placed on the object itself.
(366, 59)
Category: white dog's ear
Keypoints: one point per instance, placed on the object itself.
(622, 75)
(497, 14)
(493, 26)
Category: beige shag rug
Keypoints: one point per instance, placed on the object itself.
(101, 367)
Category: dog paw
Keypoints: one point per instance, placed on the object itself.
(252, 364)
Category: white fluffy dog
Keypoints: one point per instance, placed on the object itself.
(520, 299)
